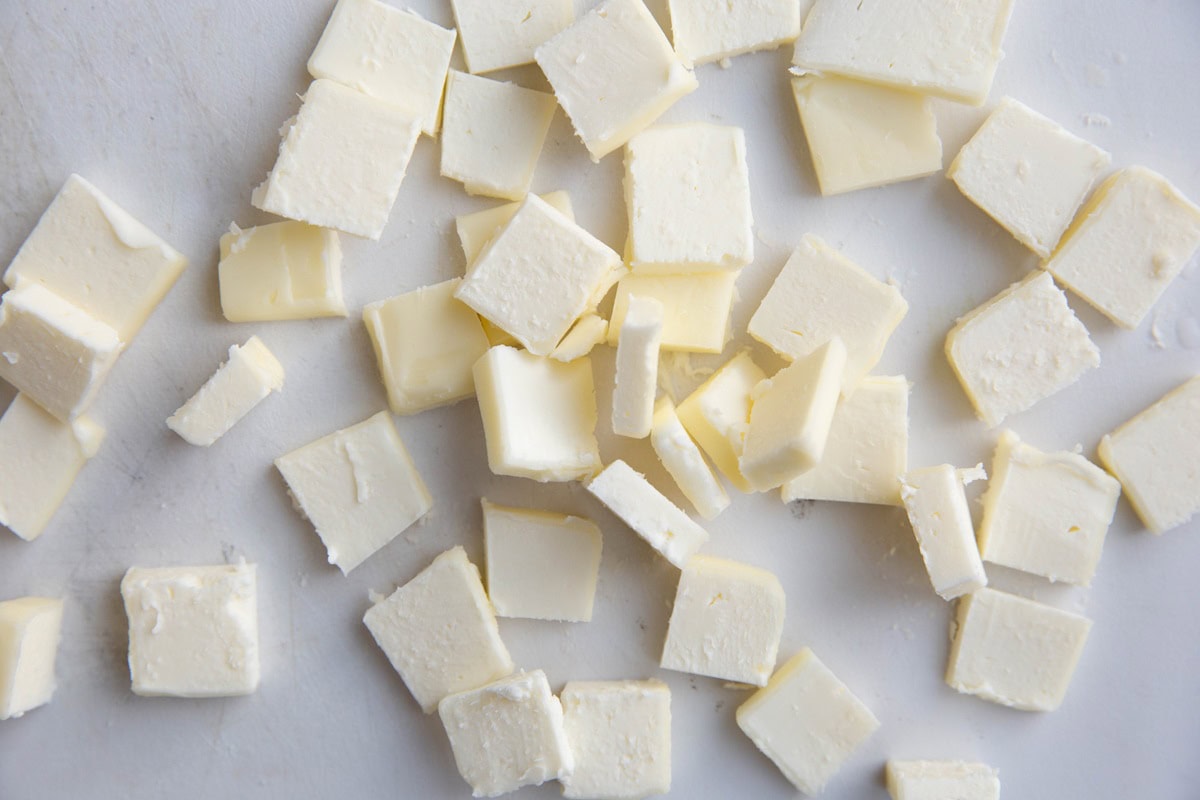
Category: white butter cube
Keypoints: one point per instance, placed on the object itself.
(620, 736)
(791, 416)
(1028, 173)
(937, 509)
(589, 331)
(663, 525)
(1014, 651)
(1046, 513)
(40, 457)
(726, 621)
(477, 229)
(29, 634)
(286, 270)
(614, 73)
(540, 565)
(538, 275)
(54, 351)
(685, 463)
(241, 383)
(193, 631)
(497, 34)
(696, 307)
(1156, 456)
(492, 134)
(1020, 347)
(390, 54)
(716, 414)
(341, 161)
(806, 721)
(687, 193)
(358, 487)
(820, 294)
(426, 344)
(716, 30)
(1134, 237)
(942, 780)
(930, 46)
(507, 734)
(539, 415)
(866, 452)
(636, 379)
(439, 631)
(862, 135)
(90, 252)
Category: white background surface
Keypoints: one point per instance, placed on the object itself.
(173, 108)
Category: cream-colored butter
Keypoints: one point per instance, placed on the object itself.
(497, 34)
(620, 736)
(716, 414)
(241, 383)
(696, 307)
(717, 30)
(937, 510)
(30, 628)
(684, 461)
(636, 379)
(285, 270)
(939, 780)
(477, 229)
(587, 332)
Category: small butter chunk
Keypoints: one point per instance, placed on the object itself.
(636, 379)
(358, 487)
(589, 331)
(497, 34)
(1028, 173)
(925, 45)
(1130, 241)
(791, 416)
(390, 54)
(862, 135)
(29, 634)
(540, 565)
(942, 780)
(614, 73)
(716, 414)
(937, 509)
(507, 734)
(40, 457)
(341, 161)
(866, 452)
(492, 134)
(426, 343)
(477, 229)
(439, 631)
(538, 275)
(806, 721)
(1156, 456)
(663, 525)
(820, 294)
(684, 461)
(715, 30)
(1020, 347)
(1014, 651)
(53, 351)
(1046, 513)
(726, 621)
(687, 193)
(539, 415)
(620, 735)
(696, 307)
(241, 383)
(193, 631)
(286, 270)
(93, 254)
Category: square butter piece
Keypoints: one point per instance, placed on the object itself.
(685, 463)
(696, 307)
(29, 633)
(942, 780)
(716, 30)
(477, 229)
(241, 383)
(717, 413)
(497, 34)
(937, 509)
(285, 270)
(636, 379)
(587, 332)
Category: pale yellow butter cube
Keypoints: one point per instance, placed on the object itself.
(684, 461)
(497, 34)
(717, 413)
(696, 307)
(241, 383)
(286, 270)
(942, 780)
(29, 633)
(477, 229)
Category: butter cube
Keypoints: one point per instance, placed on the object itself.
(358, 487)
(1028, 173)
(476, 229)
(241, 383)
(439, 631)
(636, 380)
(193, 631)
(286, 270)
(90, 252)
(539, 415)
(806, 721)
(29, 634)
(540, 565)
(663, 525)
(937, 509)
(716, 30)
(390, 54)
(507, 734)
(614, 73)
(39, 460)
(726, 621)
(866, 452)
(426, 343)
(717, 413)
(939, 780)
(620, 735)
(1127, 244)
(1014, 651)
(588, 331)
(1020, 347)
(696, 307)
(341, 161)
(862, 135)
(1156, 456)
(497, 34)
(685, 463)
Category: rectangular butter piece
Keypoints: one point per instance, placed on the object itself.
(684, 461)
(937, 509)
(938, 780)
(717, 30)
(636, 380)
(285, 270)
(696, 307)
(30, 628)
(241, 383)
(587, 332)
(716, 414)
(497, 34)
(477, 229)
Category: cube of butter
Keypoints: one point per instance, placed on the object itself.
(716, 30)
(477, 229)
(684, 461)
(938, 780)
(937, 509)
(587, 332)
(636, 379)
(505, 33)
(29, 634)
(241, 383)
(696, 307)
(717, 412)
(285, 270)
